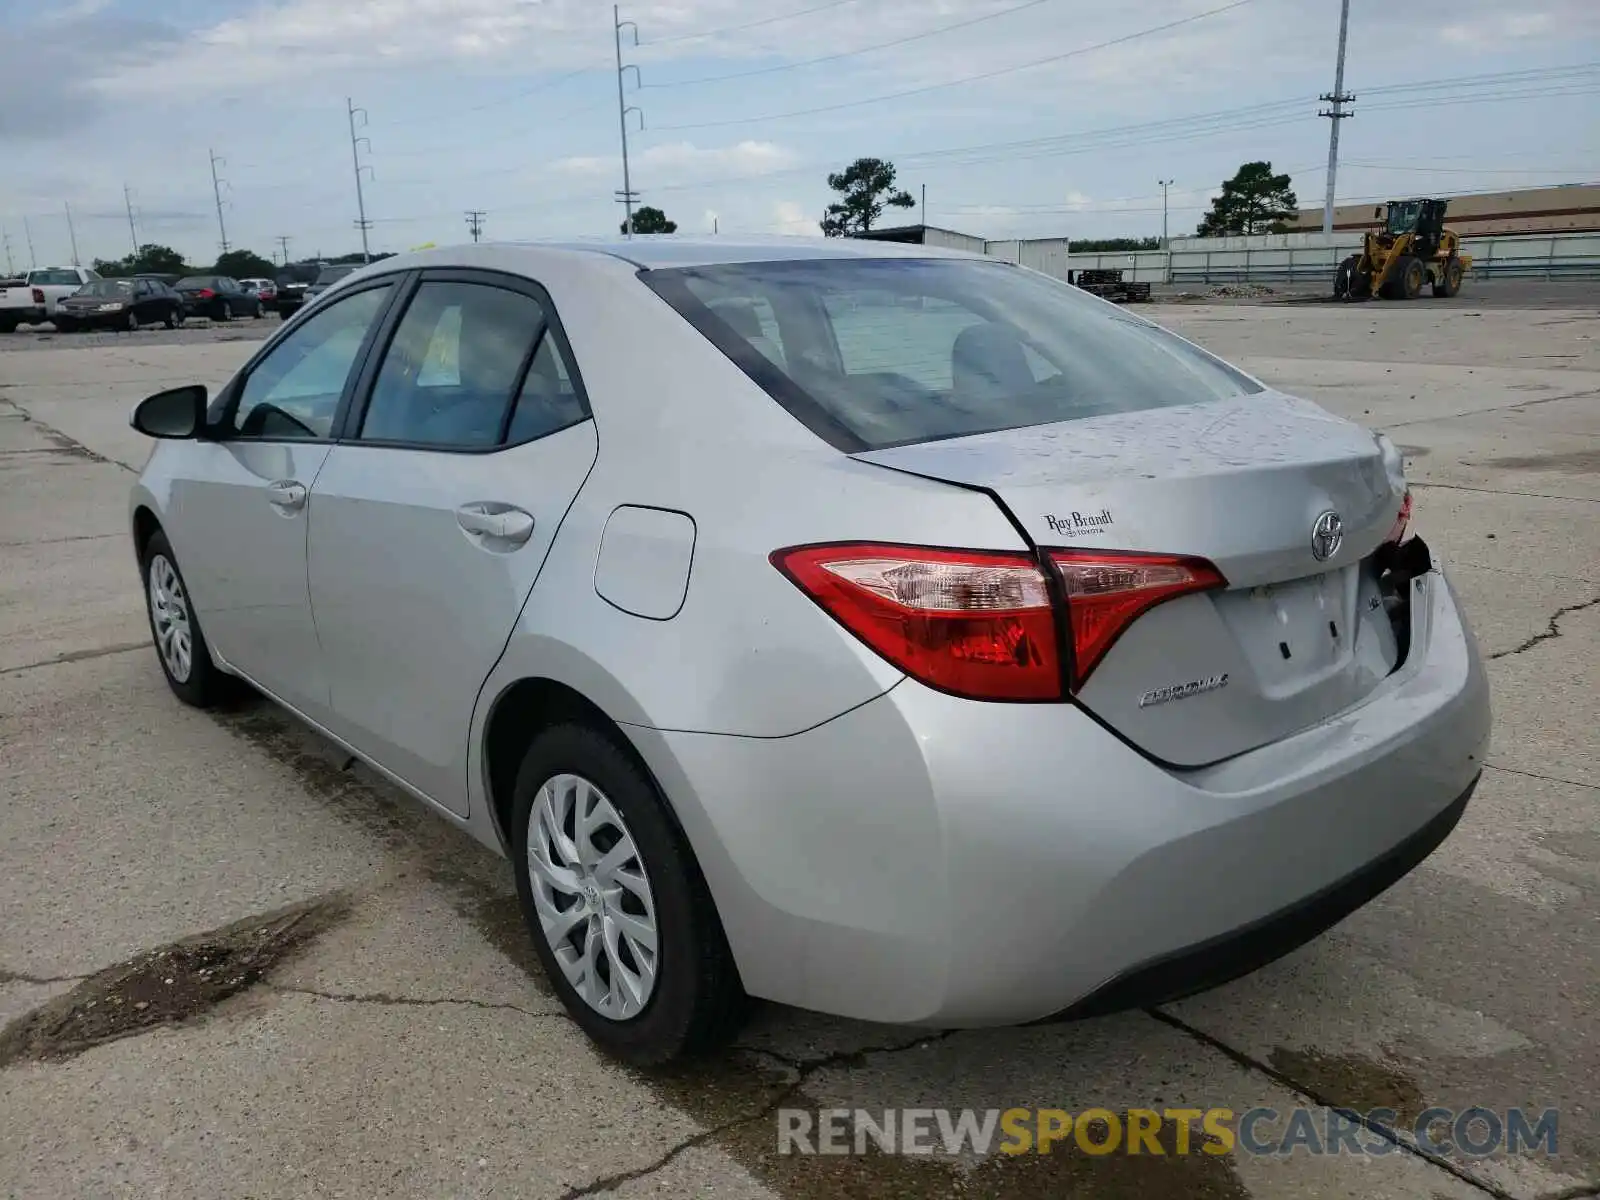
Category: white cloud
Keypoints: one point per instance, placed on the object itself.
(1498, 28)
(789, 217)
(674, 161)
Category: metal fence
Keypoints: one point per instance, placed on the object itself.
(1302, 258)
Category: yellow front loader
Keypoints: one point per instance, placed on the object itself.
(1413, 248)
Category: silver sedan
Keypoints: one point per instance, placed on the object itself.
(884, 631)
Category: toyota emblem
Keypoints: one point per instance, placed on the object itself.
(1327, 535)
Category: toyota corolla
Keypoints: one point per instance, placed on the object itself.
(879, 630)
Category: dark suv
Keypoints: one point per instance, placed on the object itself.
(292, 281)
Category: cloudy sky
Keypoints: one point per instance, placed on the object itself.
(1038, 118)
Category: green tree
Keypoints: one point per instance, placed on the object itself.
(1112, 245)
(866, 188)
(1253, 201)
(245, 264)
(152, 259)
(650, 220)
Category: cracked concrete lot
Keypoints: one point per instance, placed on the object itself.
(234, 963)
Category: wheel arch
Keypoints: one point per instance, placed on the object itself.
(145, 526)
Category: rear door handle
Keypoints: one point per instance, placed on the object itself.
(287, 494)
(492, 522)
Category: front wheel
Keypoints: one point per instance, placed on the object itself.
(1449, 282)
(173, 318)
(180, 645)
(620, 915)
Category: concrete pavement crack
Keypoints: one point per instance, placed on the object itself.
(9, 976)
(1553, 630)
(1582, 1191)
(389, 1000)
(1478, 412)
(1251, 1063)
(1462, 487)
(804, 1069)
(1536, 775)
(72, 656)
(65, 442)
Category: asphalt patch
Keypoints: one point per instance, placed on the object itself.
(171, 985)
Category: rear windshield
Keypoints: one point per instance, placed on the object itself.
(333, 274)
(870, 353)
(53, 278)
(107, 287)
(197, 281)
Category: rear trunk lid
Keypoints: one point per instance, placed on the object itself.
(1296, 635)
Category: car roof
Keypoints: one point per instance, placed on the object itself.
(661, 251)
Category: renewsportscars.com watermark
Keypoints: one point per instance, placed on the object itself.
(1476, 1132)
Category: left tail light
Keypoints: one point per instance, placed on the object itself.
(1107, 591)
(981, 624)
(973, 623)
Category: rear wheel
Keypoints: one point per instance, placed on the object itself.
(619, 913)
(9, 325)
(173, 319)
(180, 645)
(1449, 281)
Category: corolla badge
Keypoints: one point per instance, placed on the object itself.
(1327, 535)
(1182, 691)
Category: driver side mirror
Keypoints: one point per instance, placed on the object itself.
(177, 413)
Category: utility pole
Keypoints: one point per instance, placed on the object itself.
(627, 195)
(127, 199)
(283, 244)
(1165, 184)
(216, 190)
(71, 232)
(355, 159)
(1335, 114)
(5, 238)
(475, 218)
(27, 232)
(924, 206)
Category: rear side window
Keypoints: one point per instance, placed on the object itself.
(471, 366)
(870, 353)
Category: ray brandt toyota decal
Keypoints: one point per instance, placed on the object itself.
(1182, 691)
(1078, 524)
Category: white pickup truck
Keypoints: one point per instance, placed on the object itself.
(32, 298)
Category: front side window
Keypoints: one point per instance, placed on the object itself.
(870, 353)
(293, 393)
(458, 361)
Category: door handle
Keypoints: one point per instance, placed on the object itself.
(495, 522)
(288, 494)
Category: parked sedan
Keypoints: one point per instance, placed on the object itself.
(875, 629)
(119, 304)
(217, 297)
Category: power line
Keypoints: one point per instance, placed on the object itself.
(934, 87)
(811, 62)
(711, 33)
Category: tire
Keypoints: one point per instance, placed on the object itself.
(65, 325)
(225, 311)
(1450, 282)
(132, 323)
(1343, 276)
(7, 325)
(261, 311)
(198, 683)
(173, 319)
(1412, 275)
(694, 1001)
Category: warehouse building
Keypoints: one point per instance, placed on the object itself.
(1567, 208)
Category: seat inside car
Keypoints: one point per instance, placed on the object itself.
(988, 362)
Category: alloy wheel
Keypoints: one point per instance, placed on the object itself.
(592, 896)
(169, 613)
